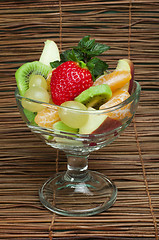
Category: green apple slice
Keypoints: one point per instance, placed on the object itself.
(50, 53)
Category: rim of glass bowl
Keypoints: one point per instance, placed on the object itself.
(100, 111)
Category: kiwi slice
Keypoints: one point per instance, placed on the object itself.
(23, 74)
(95, 96)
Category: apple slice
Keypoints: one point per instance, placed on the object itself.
(108, 125)
(127, 65)
(50, 53)
(97, 124)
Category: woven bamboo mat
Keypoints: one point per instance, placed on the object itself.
(131, 28)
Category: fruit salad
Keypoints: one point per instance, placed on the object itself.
(64, 86)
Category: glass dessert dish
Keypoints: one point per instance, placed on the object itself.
(79, 191)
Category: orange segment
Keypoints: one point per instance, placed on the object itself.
(118, 97)
(49, 80)
(125, 87)
(115, 80)
(47, 117)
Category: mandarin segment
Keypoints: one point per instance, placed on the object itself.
(115, 80)
(48, 80)
(47, 117)
(125, 87)
(118, 97)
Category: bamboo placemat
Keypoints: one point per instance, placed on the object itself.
(131, 28)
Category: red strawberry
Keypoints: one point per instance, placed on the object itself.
(68, 81)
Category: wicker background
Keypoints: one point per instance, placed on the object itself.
(131, 28)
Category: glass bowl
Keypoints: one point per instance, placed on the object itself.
(79, 191)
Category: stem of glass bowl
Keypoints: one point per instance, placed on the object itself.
(77, 168)
(78, 191)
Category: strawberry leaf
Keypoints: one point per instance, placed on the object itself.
(82, 64)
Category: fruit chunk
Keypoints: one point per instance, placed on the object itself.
(50, 53)
(60, 126)
(95, 96)
(107, 125)
(31, 68)
(47, 117)
(30, 116)
(37, 94)
(127, 65)
(64, 128)
(68, 81)
(48, 80)
(37, 81)
(99, 123)
(118, 97)
(93, 123)
(71, 115)
(115, 80)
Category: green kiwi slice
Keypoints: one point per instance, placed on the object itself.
(23, 74)
(95, 96)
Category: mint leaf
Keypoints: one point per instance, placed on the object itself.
(82, 42)
(85, 44)
(71, 55)
(90, 47)
(97, 67)
(55, 64)
(97, 49)
(85, 53)
(68, 55)
(90, 44)
(90, 65)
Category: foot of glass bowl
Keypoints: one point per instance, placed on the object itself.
(64, 196)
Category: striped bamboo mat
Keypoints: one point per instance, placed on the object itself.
(131, 28)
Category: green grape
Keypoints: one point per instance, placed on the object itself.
(37, 81)
(38, 94)
(72, 117)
